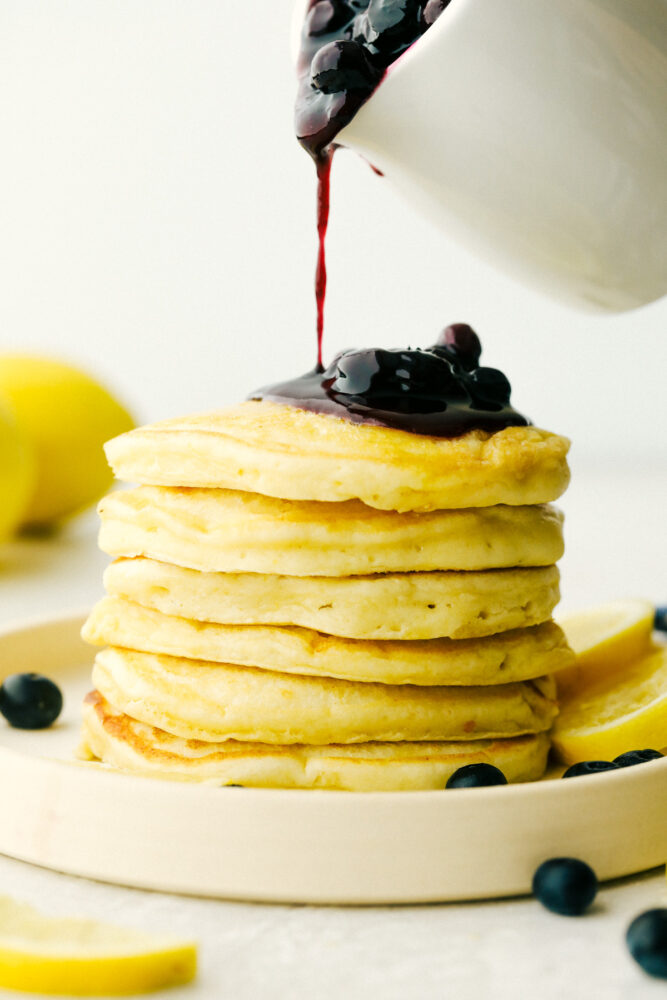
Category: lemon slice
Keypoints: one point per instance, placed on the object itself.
(605, 640)
(610, 716)
(40, 954)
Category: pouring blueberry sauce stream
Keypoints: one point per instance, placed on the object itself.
(346, 48)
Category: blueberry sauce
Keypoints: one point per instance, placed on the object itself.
(346, 47)
(441, 391)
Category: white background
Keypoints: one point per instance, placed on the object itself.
(157, 226)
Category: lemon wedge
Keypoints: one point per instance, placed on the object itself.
(609, 716)
(50, 955)
(605, 640)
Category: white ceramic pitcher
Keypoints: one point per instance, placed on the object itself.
(535, 133)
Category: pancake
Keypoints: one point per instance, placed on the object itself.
(136, 747)
(212, 702)
(285, 452)
(235, 532)
(512, 656)
(385, 606)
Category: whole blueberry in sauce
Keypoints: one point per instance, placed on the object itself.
(341, 66)
(433, 10)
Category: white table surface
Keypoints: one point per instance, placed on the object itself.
(616, 547)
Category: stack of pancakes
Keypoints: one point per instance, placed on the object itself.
(302, 601)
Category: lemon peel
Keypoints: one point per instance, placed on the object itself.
(80, 957)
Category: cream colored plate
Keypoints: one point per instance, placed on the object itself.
(299, 846)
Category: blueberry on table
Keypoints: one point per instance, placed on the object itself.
(476, 776)
(632, 757)
(342, 66)
(590, 767)
(566, 886)
(30, 701)
(647, 940)
(660, 620)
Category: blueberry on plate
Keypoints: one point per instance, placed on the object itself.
(632, 757)
(476, 776)
(30, 701)
(566, 886)
(589, 767)
(646, 938)
(342, 66)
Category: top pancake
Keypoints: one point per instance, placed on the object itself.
(293, 454)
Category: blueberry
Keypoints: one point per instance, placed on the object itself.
(476, 776)
(646, 938)
(565, 885)
(342, 66)
(360, 30)
(660, 620)
(327, 16)
(433, 10)
(30, 701)
(393, 24)
(489, 388)
(400, 381)
(464, 342)
(636, 757)
(589, 767)
(354, 372)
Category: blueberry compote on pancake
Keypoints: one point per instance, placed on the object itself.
(346, 46)
(441, 391)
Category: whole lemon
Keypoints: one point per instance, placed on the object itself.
(65, 416)
(16, 474)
